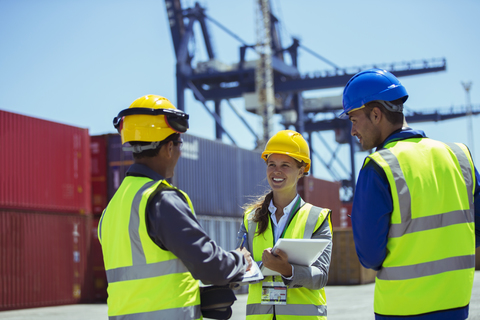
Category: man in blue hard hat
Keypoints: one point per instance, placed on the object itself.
(416, 212)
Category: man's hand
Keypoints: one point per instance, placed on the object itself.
(248, 257)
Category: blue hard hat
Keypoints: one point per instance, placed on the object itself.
(370, 85)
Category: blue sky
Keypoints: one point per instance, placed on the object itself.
(80, 62)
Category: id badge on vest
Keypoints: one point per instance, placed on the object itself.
(274, 293)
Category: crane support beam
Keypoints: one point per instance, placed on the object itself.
(419, 117)
(232, 84)
(415, 117)
(339, 80)
(175, 20)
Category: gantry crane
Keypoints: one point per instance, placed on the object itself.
(213, 81)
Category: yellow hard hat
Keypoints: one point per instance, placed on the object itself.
(150, 118)
(290, 143)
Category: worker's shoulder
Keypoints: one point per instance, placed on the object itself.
(167, 193)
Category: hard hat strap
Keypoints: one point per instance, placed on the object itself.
(137, 148)
(390, 106)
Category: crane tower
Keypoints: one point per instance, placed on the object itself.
(264, 71)
(275, 86)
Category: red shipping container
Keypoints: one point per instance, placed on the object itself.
(98, 151)
(322, 193)
(44, 165)
(98, 281)
(43, 259)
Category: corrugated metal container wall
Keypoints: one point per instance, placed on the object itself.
(252, 176)
(98, 150)
(321, 193)
(47, 167)
(219, 178)
(118, 162)
(213, 166)
(98, 281)
(223, 230)
(43, 259)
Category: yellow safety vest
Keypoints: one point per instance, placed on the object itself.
(431, 241)
(144, 281)
(302, 303)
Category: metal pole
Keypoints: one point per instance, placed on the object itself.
(264, 71)
(471, 145)
(352, 162)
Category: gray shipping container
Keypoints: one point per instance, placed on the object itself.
(118, 163)
(219, 178)
(223, 230)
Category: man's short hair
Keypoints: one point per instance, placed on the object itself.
(392, 117)
(153, 152)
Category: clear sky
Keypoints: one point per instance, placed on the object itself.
(80, 62)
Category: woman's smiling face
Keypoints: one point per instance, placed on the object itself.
(283, 173)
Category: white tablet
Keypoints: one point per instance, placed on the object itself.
(303, 252)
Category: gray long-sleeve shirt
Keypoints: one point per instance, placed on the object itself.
(314, 277)
(173, 227)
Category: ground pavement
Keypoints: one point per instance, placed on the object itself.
(344, 303)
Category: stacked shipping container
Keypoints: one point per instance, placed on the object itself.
(45, 207)
(45, 165)
(44, 259)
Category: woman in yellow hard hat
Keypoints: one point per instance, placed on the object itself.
(296, 290)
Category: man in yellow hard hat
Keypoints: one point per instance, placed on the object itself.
(154, 249)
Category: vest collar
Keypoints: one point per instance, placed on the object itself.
(402, 134)
(141, 170)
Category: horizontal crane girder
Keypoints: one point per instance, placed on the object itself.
(232, 84)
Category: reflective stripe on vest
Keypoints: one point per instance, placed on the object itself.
(305, 310)
(301, 302)
(421, 266)
(145, 271)
(178, 313)
(133, 288)
(409, 225)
